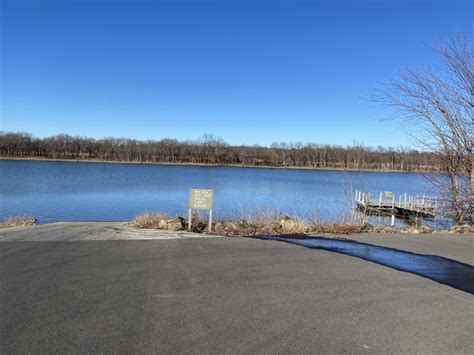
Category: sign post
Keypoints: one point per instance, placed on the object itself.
(200, 199)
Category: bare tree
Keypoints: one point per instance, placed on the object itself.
(437, 104)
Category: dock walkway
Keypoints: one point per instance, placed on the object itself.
(404, 206)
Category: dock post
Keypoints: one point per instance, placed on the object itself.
(392, 222)
(380, 199)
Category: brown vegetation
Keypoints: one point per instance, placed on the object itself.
(261, 224)
(212, 150)
(19, 221)
(158, 221)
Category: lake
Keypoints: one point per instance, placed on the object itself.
(70, 191)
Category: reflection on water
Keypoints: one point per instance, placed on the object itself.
(442, 270)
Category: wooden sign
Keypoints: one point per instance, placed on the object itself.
(200, 199)
(388, 194)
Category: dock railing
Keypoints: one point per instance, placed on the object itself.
(387, 200)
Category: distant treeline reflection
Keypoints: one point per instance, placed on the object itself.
(213, 150)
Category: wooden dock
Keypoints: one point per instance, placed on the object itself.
(405, 206)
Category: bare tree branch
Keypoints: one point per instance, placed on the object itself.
(439, 102)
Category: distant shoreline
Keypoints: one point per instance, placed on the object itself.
(98, 161)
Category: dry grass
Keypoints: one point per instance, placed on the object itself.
(462, 229)
(277, 224)
(158, 221)
(242, 228)
(338, 228)
(150, 221)
(271, 223)
(255, 224)
(19, 221)
(294, 226)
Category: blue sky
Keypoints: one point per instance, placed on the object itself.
(252, 72)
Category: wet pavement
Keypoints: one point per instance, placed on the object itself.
(436, 268)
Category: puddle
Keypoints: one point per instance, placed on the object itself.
(437, 268)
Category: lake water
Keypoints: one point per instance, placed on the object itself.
(69, 191)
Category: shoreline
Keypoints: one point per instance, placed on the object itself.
(97, 161)
(129, 225)
(339, 229)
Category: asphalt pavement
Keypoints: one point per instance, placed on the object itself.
(179, 294)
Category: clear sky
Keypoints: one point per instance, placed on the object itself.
(252, 72)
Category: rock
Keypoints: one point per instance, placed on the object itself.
(284, 221)
(184, 222)
(418, 230)
(177, 224)
(422, 229)
(462, 229)
(199, 227)
(412, 230)
(231, 227)
(293, 227)
(390, 230)
(244, 224)
(426, 230)
(367, 227)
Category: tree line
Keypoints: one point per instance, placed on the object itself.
(210, 149)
